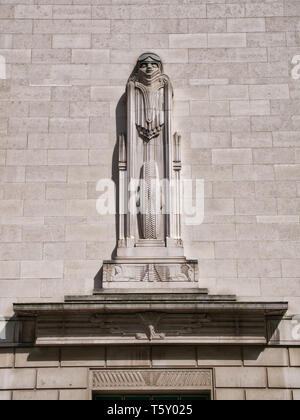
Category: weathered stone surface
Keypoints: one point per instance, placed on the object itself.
(258, 356)
(35, 395)
(283, 377)
(128, 356)
(219, 356)
(83, 356)
(37, 357)
(235, 377)
(174, 356)
(73, 395)
(17, 379)
(6, 358)
(230, 395)
(295, 356)
(62, 378)
(5, 395)
(268, 395)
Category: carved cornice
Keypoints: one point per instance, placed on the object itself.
(143, 318)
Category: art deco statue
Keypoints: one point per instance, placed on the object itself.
(149, 181)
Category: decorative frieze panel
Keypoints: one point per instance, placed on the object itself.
(187, 272)
(124, 380)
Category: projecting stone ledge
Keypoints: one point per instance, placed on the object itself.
(116, 317)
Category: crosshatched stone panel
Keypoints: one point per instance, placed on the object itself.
(151, 379)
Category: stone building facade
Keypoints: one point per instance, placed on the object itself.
(63, 72)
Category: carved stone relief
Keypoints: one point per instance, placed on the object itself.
(187, 272)
(151, 379)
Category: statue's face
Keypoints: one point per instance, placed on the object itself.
(149, 69)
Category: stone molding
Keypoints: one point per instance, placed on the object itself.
(151, 380)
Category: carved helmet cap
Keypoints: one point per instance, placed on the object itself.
(150, 57)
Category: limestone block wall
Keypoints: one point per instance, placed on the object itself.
(237, 106)
(250, 373)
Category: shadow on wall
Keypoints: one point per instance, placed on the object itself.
(121, 128)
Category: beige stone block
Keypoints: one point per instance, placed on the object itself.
(230, 395)
(206, 25)
(296, 395)
(275, 8)
(287, 172)
(226, 40)
(20, 289)
(43, 233)
(259, 356)
(37, 357)
(17, 252)
(62, 378)
(235, 377)
(128, 356)
(67, 157)
(10, 233)
(23, 191)
(237, 250)
(210, 140)
(274, 156)
(204, 108)
(192, 93)
(35, 395)
(74, 41)
(106, 93)
(238, 286)
(118, 12)
(259, 268)
(65, 251)
(284, 377)
(83, 356)
(41, 269)
(5, 395)
(69, 125)
(46, 174)
(81, 269)
(290, 268)
(210, 232)
(188, 41)
(66, 191)
(272, 39)
(174, 356)
(269, 92)
(74, 395)
(88, 173)
(232, 92)
(255, 207)
(11, 208)
(225, 10)
(99, 250)
(246, 25)
(230, 124)
(295, 356)
(9, 270)
(17, 379)
(232, 156)
(44, 208)
(268, 395)
(6, 358)
(218, 268)
(87, 232)
(246, 108)
(253, 173)
(9, 174)
(219, 356)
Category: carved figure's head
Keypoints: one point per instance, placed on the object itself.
(149, 68)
